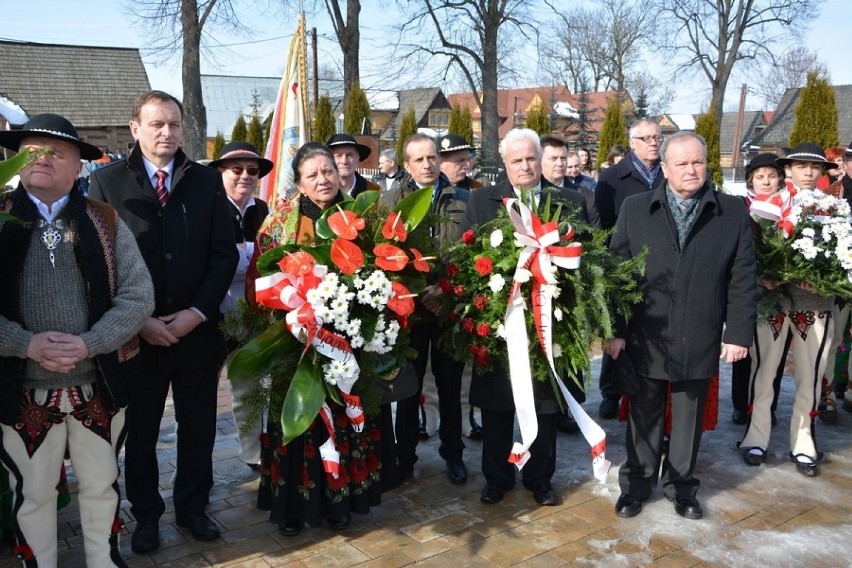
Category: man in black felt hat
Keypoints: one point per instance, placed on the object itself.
(75, 293)
(455, 161)
(241, 167)
(804, 165)
(348, 155)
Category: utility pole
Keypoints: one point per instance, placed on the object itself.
(315, 66)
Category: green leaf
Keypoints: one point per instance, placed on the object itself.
(251, 359)
(415, 207)
(12, 166)
(304, 400)
(365, 201)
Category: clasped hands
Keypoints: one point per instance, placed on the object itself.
(56, 351)
(167, 330)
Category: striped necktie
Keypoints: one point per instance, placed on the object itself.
(160, 189)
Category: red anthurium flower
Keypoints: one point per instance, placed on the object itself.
(402, 301)
(345, 224)
(297, 263)
(390, 257)
(395, 227)
(346, 256)
(420, 261)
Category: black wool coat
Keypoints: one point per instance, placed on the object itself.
(188, 246)
(676, 332)
(493, 390)
(617, 183)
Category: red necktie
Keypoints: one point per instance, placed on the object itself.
(160, 190)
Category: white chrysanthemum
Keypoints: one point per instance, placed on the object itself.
(501, 331)
(496, 282)
(557, 351)
(314, 297)
(496, 238)
(808, 232)
(557, 313)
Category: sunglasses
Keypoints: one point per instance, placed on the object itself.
(238, 170)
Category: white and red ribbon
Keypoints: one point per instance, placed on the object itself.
(538, 261)
(289, 292)
(777, 207)
(328, 450)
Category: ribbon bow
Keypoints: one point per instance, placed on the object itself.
(539, 260)
(777, 207)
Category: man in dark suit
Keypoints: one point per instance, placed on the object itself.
(178, 212)
(492, 391)
(638, 172)
(699, 280)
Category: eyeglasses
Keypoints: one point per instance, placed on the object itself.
(238, 170)
(649, 138)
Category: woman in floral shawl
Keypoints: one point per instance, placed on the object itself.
(294, 486)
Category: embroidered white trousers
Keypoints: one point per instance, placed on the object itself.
(812, 333)
(33, 483)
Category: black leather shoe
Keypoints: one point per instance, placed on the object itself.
(475, 432)
(491, 494)
(807, 468)
(608, 407)
(146, 537)
(407, 472)
(627, 506)
(568, 425)
(456, 471)
(200, 525)
(545, 495)
(739, 417)
(688, 507)
(291, 528)
(337, 524)
(253, 466)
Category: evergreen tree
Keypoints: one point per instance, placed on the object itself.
(613, 130)
(455, 119)
(357, 111)
(641, 105)
(583, 120)
(218, 144)
(407, 127)
(255, 134)
(323, 120)
(816, 113)
(538, 118)
(267, 129)
(466, 126)
(707, 125)
(240, 131)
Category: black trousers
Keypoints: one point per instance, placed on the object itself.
(194, 395)
(448, 377)
(645, 428)
(741, 378)
(497, 438)
(606, 380)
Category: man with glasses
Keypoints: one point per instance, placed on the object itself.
(638, 172)
(241, 166)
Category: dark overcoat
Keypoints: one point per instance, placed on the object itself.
(493, 390)
(617, 183)
(188, 246)
(675, 333)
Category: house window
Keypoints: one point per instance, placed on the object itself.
(439, 119)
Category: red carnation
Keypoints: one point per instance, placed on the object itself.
(468, 237)
(480, 302)
(483, 329)
(458, 290)
(358, 470)
(372, 462)
(339, 483)
(467, 325)
(484, 265)
(445, 285)
(452, 270)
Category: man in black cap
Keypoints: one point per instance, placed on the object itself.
(455, 161)
(75, 293)
(241, 166)
(178, 211)
(348, 155)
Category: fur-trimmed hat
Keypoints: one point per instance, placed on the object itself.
(49, 125)
(239, 150)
